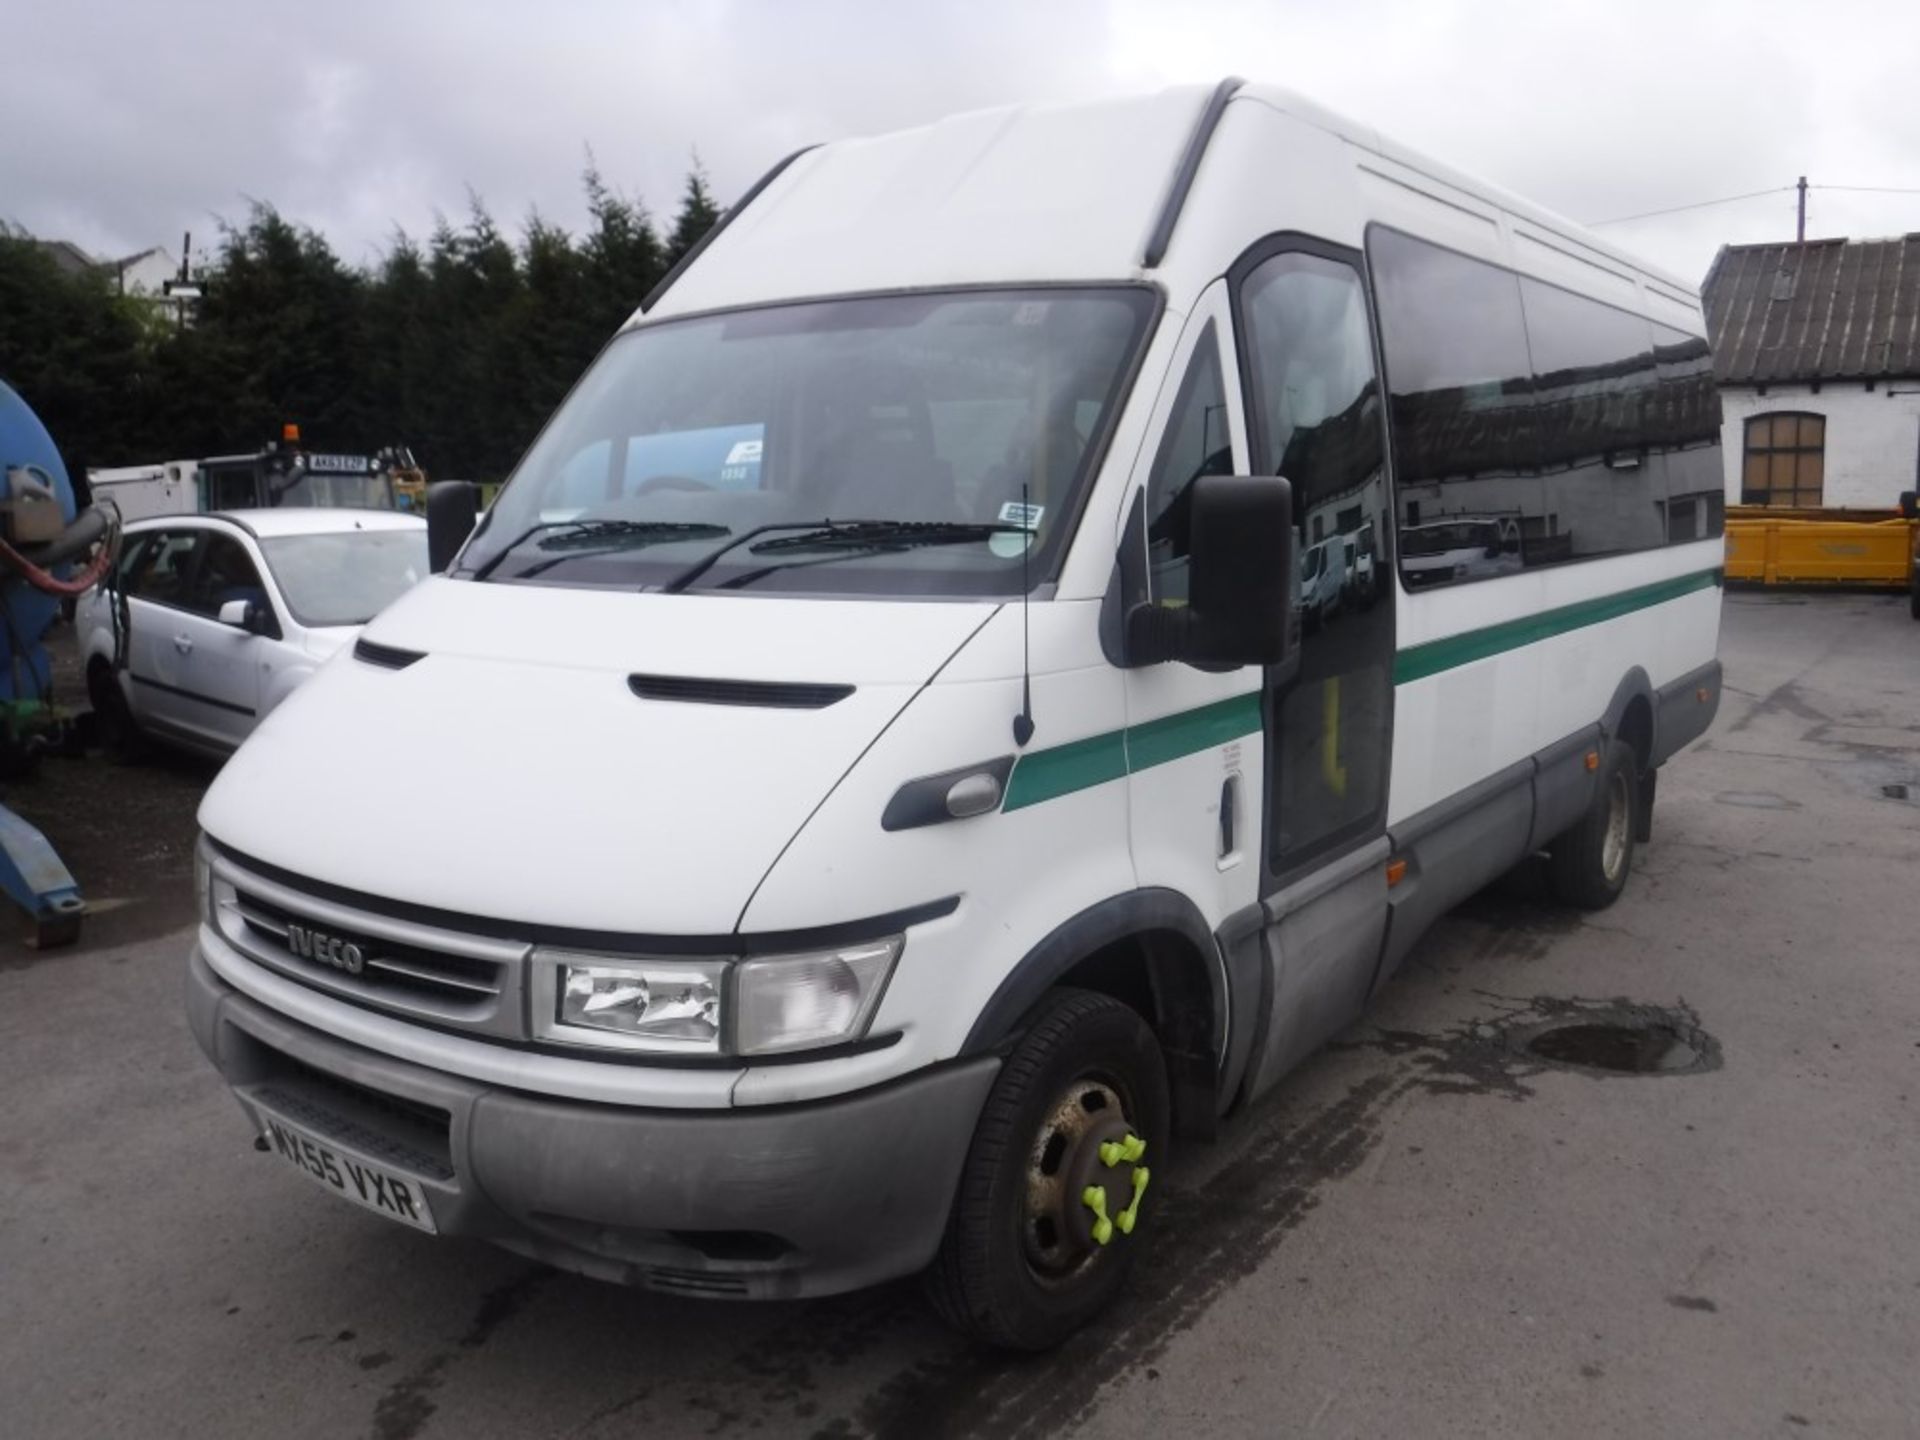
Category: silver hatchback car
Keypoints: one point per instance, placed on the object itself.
(209, 621)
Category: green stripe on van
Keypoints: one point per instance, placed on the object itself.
(1046, 774)
(1437, 655)
(1173, 737)
(1081, 764)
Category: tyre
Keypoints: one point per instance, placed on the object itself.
(120, 734)
(1913, 593)
(1053, 1200)
(1589, 864)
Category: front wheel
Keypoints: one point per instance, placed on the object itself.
(1052, 1204)
(1588, 865)
(1913, 592)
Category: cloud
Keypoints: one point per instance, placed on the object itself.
(140, 121)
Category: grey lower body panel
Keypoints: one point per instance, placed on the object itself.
(785, 1201)
(1684, 710)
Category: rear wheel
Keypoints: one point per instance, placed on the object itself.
(1052, 1202)
(1913, 592)
(1588, 865)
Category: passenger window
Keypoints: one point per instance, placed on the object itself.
(1596, 386)
(1465, 459)
(226, 573)
(1685, 426)
(1316, 408)
(1196, 443)
(160, 572)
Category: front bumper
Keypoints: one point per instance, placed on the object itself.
(783, 1201)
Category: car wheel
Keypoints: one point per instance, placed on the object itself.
(1589, 864)
(1913, 593)
(1051, 1209)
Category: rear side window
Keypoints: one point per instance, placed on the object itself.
(159, 572)
(1684, 424)
(1534, 425)
(1461, 379)
(1595, 387)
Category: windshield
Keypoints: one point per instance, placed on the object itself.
(348, 577)
(345, 492)
(751, 429)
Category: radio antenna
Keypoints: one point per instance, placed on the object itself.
(1023, 722)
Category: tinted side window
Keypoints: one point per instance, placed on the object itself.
(1595, 387)
(1465, 458)
(226, 573)
(1196, 443)
(1685, 425)
(160, 573)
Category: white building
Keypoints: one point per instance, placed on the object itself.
(146, 273)
(1816, 348)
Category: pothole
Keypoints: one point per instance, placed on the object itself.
(1631, 1040)
(1894, 792)
(1622, 1049)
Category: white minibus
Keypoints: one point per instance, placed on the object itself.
(864, 790)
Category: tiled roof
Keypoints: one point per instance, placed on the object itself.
(1823, 310)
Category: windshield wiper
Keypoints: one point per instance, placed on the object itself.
(586, 533)
(875, 535)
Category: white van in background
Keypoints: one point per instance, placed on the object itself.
(877, 791)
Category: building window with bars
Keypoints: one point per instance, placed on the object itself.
(1785, 460)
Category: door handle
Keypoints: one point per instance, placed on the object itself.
(183, 643)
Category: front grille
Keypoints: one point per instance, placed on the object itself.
(454, 979)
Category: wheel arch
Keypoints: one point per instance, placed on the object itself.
(1151, 949)
(1630, 714)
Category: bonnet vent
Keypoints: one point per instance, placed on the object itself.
(387, 657)
(766, 694)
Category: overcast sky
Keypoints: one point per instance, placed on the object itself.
(123, 124)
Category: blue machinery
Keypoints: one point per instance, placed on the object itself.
(49, 549)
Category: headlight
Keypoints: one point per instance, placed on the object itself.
(795, 1002)
(767, 1005)
(671, 1005)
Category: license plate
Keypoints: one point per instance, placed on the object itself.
(350, 1174)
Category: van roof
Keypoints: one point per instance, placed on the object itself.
(1063, 192)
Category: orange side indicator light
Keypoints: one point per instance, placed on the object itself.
(1593, 759)
(1396, 872)
(1701, 694)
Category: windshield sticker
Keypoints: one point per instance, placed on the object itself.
(1016, 512)
(1009, 544)
(745, 452)
(1030, 312)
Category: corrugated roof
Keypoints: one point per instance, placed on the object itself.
(1824, 310)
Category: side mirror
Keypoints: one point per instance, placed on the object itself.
(1910, 504)
(248, 615)
(452, 507)
(1239, 580)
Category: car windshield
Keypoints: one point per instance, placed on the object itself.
(346, 577)
(334, 491)
(953, 420)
